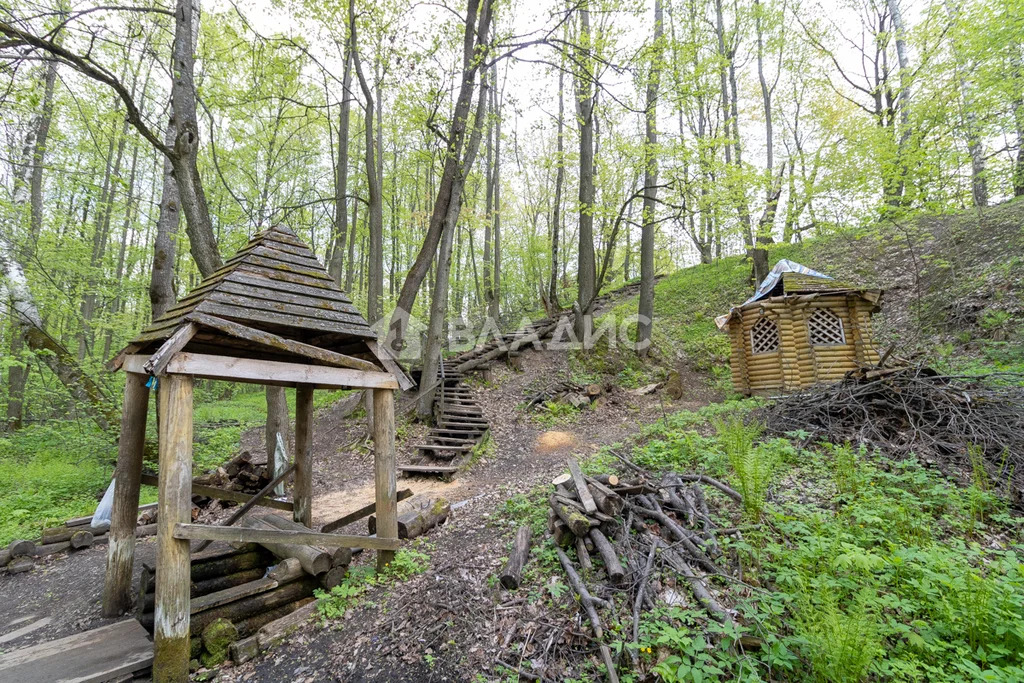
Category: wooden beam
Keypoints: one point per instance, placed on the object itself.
(302, 487)
(390, 364)
(267, 372)
(580, 483)
(224, 494)
(384, 474)
(176, 342)
(117, 587)
(279, 343)
(203, 532)
(173, 568)
(357, 515)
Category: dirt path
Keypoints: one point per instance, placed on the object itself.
(447, 624)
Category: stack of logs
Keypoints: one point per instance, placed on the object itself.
(237, 591)
(75, 534)
(657, 524)
(576, 395)
(238, 474)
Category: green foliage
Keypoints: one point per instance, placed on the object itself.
(335, 603)
(554, 413)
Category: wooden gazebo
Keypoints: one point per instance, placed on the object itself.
(272, 315)
(800, 327)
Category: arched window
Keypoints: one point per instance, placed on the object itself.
(764, 336)
(825, 328)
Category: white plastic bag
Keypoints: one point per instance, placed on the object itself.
(101, 518)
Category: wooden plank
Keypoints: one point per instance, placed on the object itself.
(171, 602)
(117, 586)
(327, 300)
(101, 654)
(268, 371)
(279, 305)
(429, 469)
(362, 512)
(176, 342)
(279, 343)
(582, 491)
(202, 532)
(246, 277)
(288, 320)
(302, 486)
(442, 447)
(384, 474)
(390, 364)
(227, 595)
(285, 276)
(224, 494)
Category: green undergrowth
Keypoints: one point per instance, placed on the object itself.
(336, 602)
(56, 470)
(854, 566)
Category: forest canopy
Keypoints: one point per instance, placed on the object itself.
(463, 160)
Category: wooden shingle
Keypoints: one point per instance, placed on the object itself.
(272, 300)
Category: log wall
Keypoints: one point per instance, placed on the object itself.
(798, 364)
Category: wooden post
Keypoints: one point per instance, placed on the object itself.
(384, 470)
(173, 568)
(117, 589)
(302, 488)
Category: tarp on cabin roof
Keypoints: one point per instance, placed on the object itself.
(769, 283)
(783, 266)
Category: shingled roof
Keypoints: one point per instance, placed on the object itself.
(273, 300)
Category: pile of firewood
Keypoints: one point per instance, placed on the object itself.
(237, 592)
(915, 410)
(75, 534)
(631, 533)
(576, 395)
(238, 474)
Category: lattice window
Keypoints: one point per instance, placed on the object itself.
(825, 328)
(764, 336)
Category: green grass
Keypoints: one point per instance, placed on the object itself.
(861, 568)
(56, 470)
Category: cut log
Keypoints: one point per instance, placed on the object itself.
(419, 519)
(561, 534)
(341, 557)
(582, 490)
(20, 564)
(23, 548)
(583, 555)
(612, 565)
(51, 548)
(5, 557)
(362, 512)
(333, 577)
(594, 390)
(511, 575)
(286, 570)
(574, 519)
(81, 539)
(561, 480)
(205, 587)
(245, 608)
(313, 560)
(607, 479)
(608, 502)
(249, 627)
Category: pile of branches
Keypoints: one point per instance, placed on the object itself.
(916, 410)
(662, 528)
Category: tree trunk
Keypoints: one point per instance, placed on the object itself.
(475, 39)
(495, 305)
(186, 144)
(556, 211)
(646, 305)
(438, 304)
(17, 374)
(903, 99)
(585, 112)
